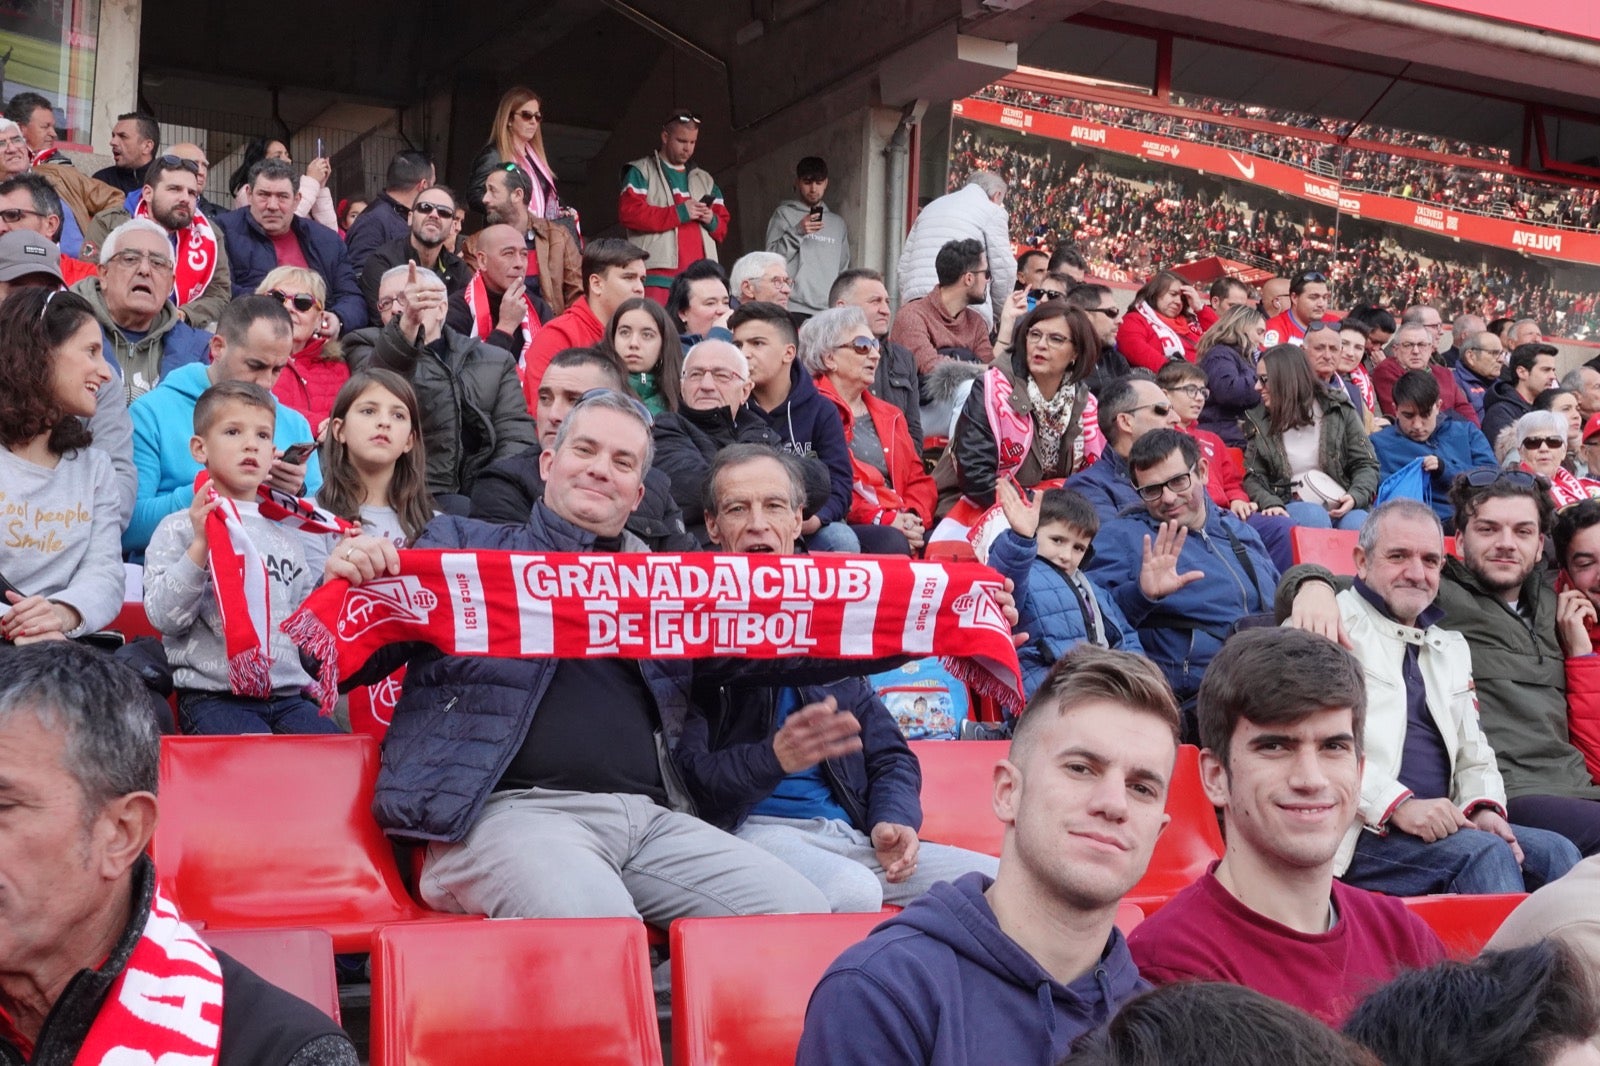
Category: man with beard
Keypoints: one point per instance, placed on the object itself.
(1517, 627)
(553, 257)
(432, 215)
(202, 279)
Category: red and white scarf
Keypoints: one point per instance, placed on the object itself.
(1363, 380)
(483, 322)
(1171, 343)
(1567, 488)
(665, 606)
(166, 1004)
(44, 156)
(1012, 432)
(196, 255)
(239, 579)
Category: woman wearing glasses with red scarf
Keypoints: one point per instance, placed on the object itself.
(1541, 449)
(317, 370)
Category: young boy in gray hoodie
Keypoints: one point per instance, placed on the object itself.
(233, 435)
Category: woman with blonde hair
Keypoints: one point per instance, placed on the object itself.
(518, 137)
(1227, 353)
(317, 369)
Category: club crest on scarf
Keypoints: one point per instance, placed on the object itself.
(383, 599)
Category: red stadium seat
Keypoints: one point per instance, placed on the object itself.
(740, 985)
(296, 960)
(957, 781)
(1190, 843)
(131, 622)
(1464, 923)
(264, 832)
(1331, 548)
(572, 991)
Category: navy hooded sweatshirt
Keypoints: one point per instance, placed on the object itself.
(940, 984)
(808, 424)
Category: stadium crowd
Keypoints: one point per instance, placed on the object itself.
(233, 413)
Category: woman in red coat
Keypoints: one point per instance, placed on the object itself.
(890, 485)
(1162, 323)
(317, 370)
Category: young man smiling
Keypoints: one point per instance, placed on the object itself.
(1281, 718)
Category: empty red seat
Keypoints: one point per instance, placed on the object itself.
(296, 960)
(263, 832)
(1464, 923)
(957, 783)
(1190, 843)
(740, 985)
(1332, 548)
(558, 990)
(132, 623)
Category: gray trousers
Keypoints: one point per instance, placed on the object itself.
(544, 853)
(839, 859)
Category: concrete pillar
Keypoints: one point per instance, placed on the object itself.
(116, 72)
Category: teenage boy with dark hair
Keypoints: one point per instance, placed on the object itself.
(1447, 446)
(1281, 718)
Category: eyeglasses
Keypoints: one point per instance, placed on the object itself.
(1176, 485)
(386, 304)
(131, 259)
(683, 118)
(1198, 392)
(721, 375)
(1109, 312)
(12, 141)
(1484, 476)
(13, 215)
(1530, 444)
(782, 281)
(175, 162)
(859, 345)
(300, 301)
(638, 408)
(1409, 346)
(422, 207)
(529, 116)
(1039, 296)
(1054, 340)
(982, 272)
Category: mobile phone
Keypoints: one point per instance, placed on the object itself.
(295, 454)
(816, 212)
(319, 147)
(708, 199)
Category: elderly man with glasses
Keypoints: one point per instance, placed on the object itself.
(1412, 349)
(671, 209)
(1182, 569)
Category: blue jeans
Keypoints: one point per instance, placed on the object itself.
(224, 714)
(833, 537)
(1316, 516)
(1469, 861)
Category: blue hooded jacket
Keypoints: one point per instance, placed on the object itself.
(1182, 632)
(940, 984)
(808, 424)
(1460, 446)
(1048, 610)
(1106, 485)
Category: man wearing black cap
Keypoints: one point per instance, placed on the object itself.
(812, 239)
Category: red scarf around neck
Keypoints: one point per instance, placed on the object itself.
(483, 322)
(196, 258)
(166, 1004)
(663, 606)
(239, 579)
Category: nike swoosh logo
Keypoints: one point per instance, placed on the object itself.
(1247, 169)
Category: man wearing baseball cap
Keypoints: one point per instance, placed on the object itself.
(28, 259)
(1589, 445)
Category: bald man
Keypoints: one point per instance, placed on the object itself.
(496, 306)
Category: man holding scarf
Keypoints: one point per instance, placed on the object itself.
(96, 966)
(542, 786)
(202, 282)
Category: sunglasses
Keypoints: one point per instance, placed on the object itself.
(300, 301)
(425, 208)
(175, 162)
(1315, 326)
(860, 345)
(1530, 444)
(1109, 312)
(1314, 277)
(529, 116)
(1162, 410)
(1039, 296)
(638, 408)
(1484, 476)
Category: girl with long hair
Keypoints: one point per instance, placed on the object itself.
(1227, 354)
(646, 341)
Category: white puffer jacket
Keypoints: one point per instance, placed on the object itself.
(966, 213)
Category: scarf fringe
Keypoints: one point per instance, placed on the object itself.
(312, 634)
(977, 675)
(250, 672)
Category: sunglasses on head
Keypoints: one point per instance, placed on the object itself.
(175, 162)
(1315, 326)
(300, 301)
(1314, 277)
(683, 118)
(1484, 476)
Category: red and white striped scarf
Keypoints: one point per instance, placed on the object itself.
(196, 259)
(663, 606)
(483, 322)
(166, 1004)
(239, 579)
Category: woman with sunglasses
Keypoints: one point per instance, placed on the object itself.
(1038, 409)
(1307, 453)
(518, 137)
(890, 487)
(317, 370)
(1165, 321)
(1227, 354)
(1564, 402)
(1541, 450)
